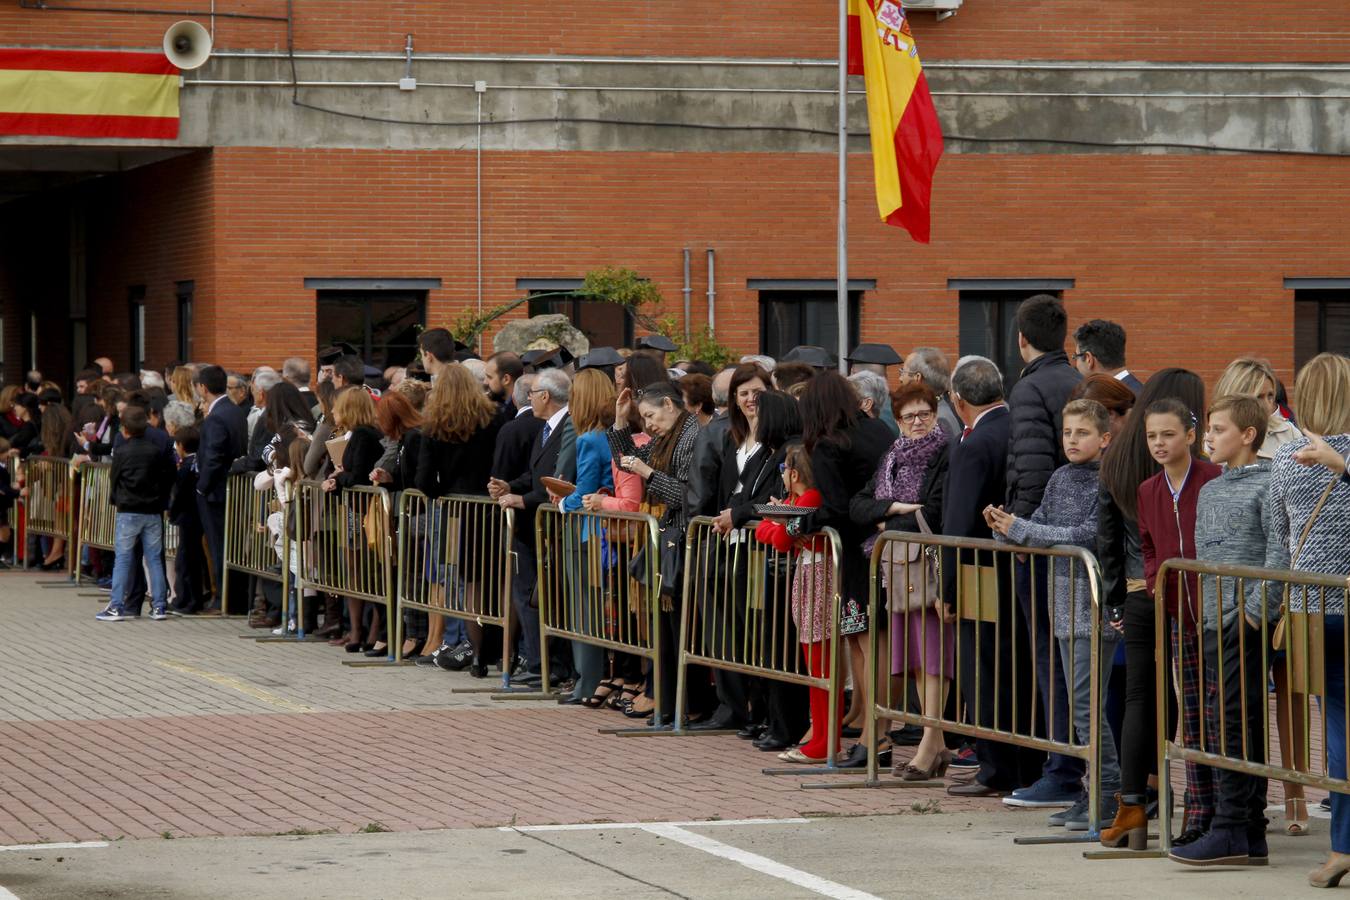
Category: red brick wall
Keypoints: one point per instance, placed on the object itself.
(1188, 252)
(1197, 30)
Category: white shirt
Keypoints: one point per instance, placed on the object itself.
(213, 404)
(1122, 374)
(555, 420)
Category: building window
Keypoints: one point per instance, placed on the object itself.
(136, 303)
(793, 312)
(184, 291)
(987, 318)
(381, 324)
(1321, 322)
(604, 324)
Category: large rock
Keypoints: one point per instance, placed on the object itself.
(539, 333)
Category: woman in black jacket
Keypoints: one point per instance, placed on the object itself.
(845, 448)
(354, 414)
(908, 485)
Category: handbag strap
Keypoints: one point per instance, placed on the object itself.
(1307, 529)
(923, 522)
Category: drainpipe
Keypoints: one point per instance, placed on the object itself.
(712, 292)
(688, 293)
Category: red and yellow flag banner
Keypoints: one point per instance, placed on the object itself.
(906, 136)
(88, 94)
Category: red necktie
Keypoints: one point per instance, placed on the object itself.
(965, 433)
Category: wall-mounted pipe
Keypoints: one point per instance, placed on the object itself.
(688, 294)
(712, 292)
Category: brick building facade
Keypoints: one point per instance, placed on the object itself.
(248, 240)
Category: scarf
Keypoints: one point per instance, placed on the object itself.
(900, 475)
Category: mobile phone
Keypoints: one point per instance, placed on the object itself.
(1115, 614)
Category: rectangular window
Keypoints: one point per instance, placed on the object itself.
(790, 318)
(604, 324)
(987, 318)
(382, 324)
(136, 303)
(184, 291)
(1321, 322)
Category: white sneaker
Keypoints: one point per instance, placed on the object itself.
(112, 615)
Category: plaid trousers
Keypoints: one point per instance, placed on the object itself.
(1200, 780)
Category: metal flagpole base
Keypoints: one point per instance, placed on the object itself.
(1125, 854)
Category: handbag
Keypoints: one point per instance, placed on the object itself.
(911, 584)
(373, 524)
(977, 592)
(1306, 660)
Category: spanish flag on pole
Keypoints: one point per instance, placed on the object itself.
(906, 137)
(88, 94)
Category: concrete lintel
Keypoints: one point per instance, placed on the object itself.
(372, 284)
(807, 284)
(1316, 284)
(1010, 284)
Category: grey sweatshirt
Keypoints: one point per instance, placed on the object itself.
(1232, 526)
(1067, 515)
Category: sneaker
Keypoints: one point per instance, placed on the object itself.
(112, 615)
(1073, 813)
(1218, 847)
(965, 759)
(1325, 805)
(427, 662)
(1078, 821)
(159, 615)
(1044, 794)
(457, 659)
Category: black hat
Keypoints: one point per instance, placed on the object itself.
(373, 373)
(875, 354)
(330, 354)
(818, 357)
(600, 357)
(656, 342)
(540, 360)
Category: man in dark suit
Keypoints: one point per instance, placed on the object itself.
(1100, 347)
(976, 480)
(525, 491)
(224, 435)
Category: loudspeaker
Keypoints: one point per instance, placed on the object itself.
(187, 44)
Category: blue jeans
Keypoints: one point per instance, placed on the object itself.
(1334, 700)
(1067, 771)
(147, 529)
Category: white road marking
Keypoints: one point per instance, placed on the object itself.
(611, 826)
(762, 864)
(73, 845)
(6, 894)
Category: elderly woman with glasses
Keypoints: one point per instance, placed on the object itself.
(905, 494)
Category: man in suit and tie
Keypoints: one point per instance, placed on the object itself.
(976, 479)
(224, 436)
(525, 492)
(1100, 347)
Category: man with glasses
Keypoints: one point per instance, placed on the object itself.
(237, 389)
(1099, 346)
(929, 364)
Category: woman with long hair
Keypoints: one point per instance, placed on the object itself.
(1111, 393)
(180, 385)
(459, 433)
(845, 447)
(401, 423)
(1127, 601)
(58, 441)
(1251, 377)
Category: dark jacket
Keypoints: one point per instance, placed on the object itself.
(1132, 383)
(1035, 449)
(224, 435)
(1167, 529)
(183, 499)
(406, 455)
(866, 509)
(360, 457)
(458, 467)
(706, 476)
(976, 475)
(141, 479)
(1117, 549)
(543, 463)
(511, 458)
(760, 482)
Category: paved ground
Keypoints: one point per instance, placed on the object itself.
(143, 734)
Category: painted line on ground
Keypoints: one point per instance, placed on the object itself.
(242, 687)
(71, 845)
(610, 826)
(6, 894)
(761, 864)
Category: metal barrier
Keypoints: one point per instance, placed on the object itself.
(171, 539)
(455, 559)
(49, 508)
(345, 541)
(600, 584)
(1007, 662)
(1232, 663)
(96, 520)
(756, 610)
(249, 546)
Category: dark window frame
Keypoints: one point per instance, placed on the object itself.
(184, 296)
(802, 294)
(366, 298)
(136, 323)
(574, 308)
(1005, 295)
(1322, 299)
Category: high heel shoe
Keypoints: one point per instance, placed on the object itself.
(938, 769)
(358, 647)
(374, 651)
(1296, 816)
(1331, 873)
(478, 669)
(1130, 827)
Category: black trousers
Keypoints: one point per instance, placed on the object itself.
(189, 568)
(1235, 707)
(1139, 738)
(989, 685)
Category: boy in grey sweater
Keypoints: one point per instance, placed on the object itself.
(1231, 527)
(1067, 515)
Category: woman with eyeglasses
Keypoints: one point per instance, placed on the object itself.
(905, 494)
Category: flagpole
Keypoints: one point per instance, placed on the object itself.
(841, 251)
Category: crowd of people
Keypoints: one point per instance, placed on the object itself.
(1079, 451)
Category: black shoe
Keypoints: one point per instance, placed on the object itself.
(1189, 836)
(429, 661)
(716, 723)
(751, 732)
(850, 732)
(457, 659)
(771, 744)
(908, 736)
(568, 700)
(478, 669)
(374, 652)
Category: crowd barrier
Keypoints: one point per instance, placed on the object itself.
(752, 609)
(947, 608)
(249, 545)
(601, 585)
(345, 540)
(1237, 663)
(49, 509)
(96, 518)
(455, 560)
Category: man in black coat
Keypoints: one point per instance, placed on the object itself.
(224, 435)
(1101, 349)
(977, 469)
(1035, 450)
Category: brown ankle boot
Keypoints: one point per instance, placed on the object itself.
(1130, 827)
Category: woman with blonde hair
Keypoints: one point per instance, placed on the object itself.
(1251, 377)
(180, 385)
(459, 434)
